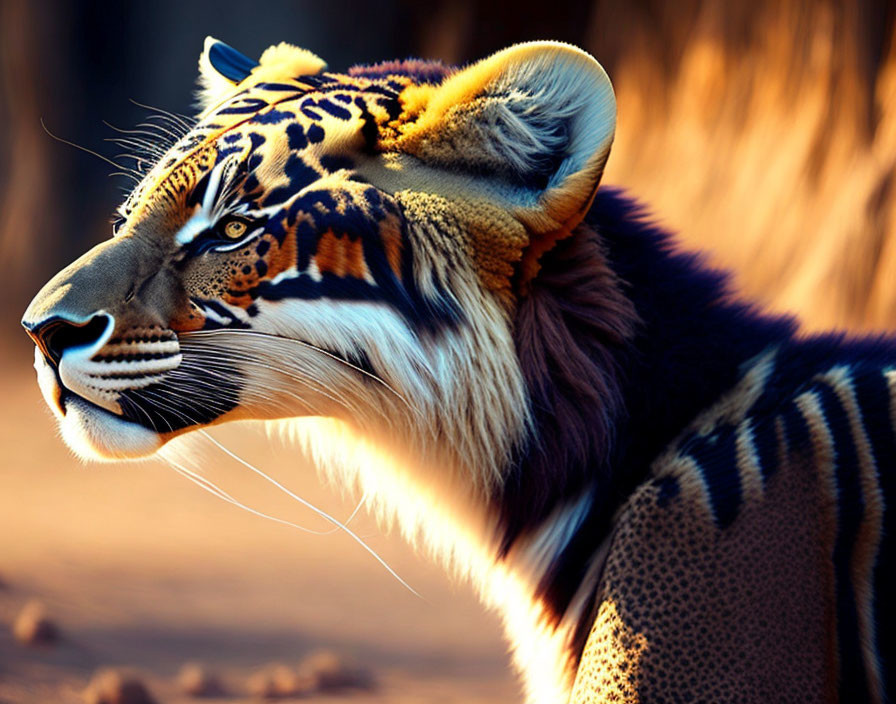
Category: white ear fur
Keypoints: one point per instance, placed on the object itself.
(213, 86)
(541, 113)
(281, 61)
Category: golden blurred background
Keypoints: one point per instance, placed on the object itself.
(763, 131)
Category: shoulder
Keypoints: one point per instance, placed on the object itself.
(798, 405)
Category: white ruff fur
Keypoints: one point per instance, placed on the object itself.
(432, 469)
(448, 521)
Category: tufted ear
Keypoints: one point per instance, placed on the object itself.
(222, 68)
(537, 118)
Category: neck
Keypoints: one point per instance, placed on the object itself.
(664, 339)
(621, 343)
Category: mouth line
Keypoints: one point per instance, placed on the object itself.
(67, 396)
(157, 406)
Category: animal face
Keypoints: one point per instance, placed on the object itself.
(320, 244)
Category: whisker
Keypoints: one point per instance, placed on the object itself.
(225, 353)
(144, 412)
(231, 499)
(296, 374)
(175, 120)
(215, 490)
(149, 418)
(308, 345)
(185, 120)
(159, 129)
(147, 148)
(314, 508)
(148, 131)
(131, 176)
(187, 375)
(83, 149)
(142, 164)
(164, 404)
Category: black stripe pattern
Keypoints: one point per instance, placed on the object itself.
(841, 420)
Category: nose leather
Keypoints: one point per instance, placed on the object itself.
(55, 334)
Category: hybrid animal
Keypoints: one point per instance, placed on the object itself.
(668, 495)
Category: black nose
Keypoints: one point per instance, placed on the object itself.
(56, 334)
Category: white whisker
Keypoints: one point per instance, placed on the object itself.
(215, 490)
(336, 522)
(308, 345)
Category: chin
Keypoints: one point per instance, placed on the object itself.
(93, 433)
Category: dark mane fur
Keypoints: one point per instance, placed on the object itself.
(622, 341)
(568, 331)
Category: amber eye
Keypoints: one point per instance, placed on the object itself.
(234, 229)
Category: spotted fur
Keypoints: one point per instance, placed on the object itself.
(666, 494)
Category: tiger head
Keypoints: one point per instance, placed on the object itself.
(350, 246)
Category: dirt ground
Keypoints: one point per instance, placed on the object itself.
(139, 568)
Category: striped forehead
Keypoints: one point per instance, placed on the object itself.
(284, 156)
(284, 135)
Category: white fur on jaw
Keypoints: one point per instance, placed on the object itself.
(430, 472)
(438, 512)
(431, 469)
(456, 421)
(95, 434)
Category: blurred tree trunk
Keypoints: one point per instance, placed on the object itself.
(26, 214)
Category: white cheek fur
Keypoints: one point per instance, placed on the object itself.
(453, 414)
(431, 470)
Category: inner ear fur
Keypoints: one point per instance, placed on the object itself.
(540, 117)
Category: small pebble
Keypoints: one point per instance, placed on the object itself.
(111, 686)
(33, 627)
(197, 681)
(278, 682)
(331, 673)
